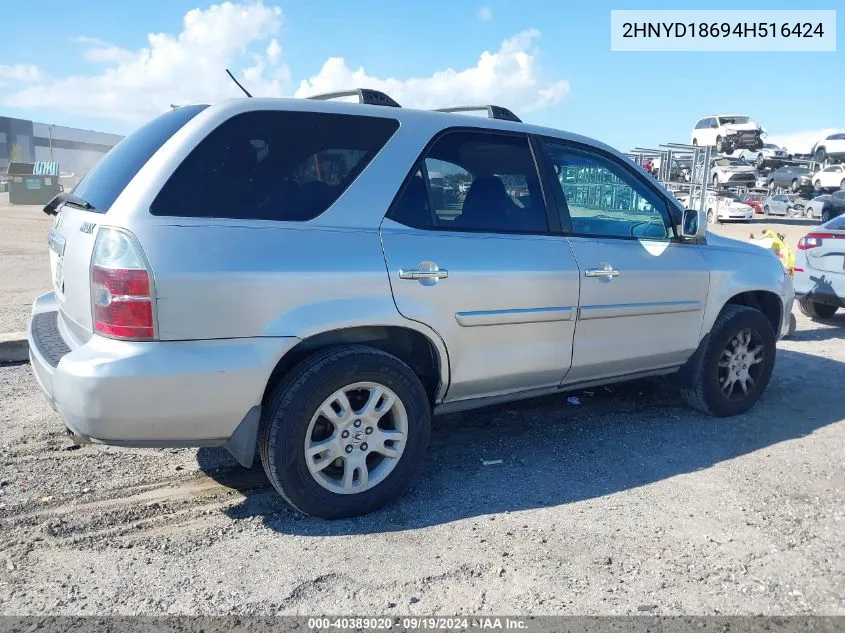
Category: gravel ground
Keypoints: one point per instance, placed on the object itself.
(625, 504)
(24, 262)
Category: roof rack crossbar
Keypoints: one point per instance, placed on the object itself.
(493, 112)
(365, 96)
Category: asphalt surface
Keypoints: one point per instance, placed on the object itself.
(626, 503)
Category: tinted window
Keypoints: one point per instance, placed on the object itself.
(733, 120)
(103, 184)
(836, 137)
(604, 199)
(273, 166)
(837, 223)
(474, 181)
(839, 194)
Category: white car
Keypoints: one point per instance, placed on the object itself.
(727, 132)
(721, 206)
(831, 177)
(833, 146)
(770, 156)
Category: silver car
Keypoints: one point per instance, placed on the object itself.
(820, 270)
(779, 204)
(279, 274)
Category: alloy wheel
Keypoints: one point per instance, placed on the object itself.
(740, 365)
(356, 438)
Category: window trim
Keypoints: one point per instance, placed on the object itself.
(552, 218)
(563, 209)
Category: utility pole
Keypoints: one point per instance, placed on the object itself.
(50, 135)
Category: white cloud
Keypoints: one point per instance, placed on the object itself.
(135, 85)
(19, 73)
(509, 77)
(188, 67)
(103, 52)
(485, 13)
(800, 142)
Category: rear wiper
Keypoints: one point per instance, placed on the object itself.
(52, 207)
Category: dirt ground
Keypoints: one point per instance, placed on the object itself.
(627, 503)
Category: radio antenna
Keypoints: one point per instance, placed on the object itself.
(238, 83)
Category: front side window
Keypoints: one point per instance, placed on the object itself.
(273, 165)
(474, 181)
(604, 199)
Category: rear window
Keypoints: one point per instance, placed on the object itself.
(837, 223)
(273, 165)
(102, 185)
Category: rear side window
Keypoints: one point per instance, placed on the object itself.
(273, 165)
(475, 181)
(102, 185)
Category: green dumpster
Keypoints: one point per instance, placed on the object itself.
(33, 183)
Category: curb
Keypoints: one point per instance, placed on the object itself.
(13, 348)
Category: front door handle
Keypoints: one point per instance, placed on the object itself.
(423, 274)
(605, 270)
(426, 273)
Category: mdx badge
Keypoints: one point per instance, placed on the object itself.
(87, 227)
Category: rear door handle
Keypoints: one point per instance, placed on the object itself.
(605, 270)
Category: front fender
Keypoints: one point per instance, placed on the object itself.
(738, 267)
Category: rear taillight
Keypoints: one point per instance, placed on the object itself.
(814, 240)
(121, 287)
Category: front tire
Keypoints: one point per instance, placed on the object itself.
(719, 144)
(817, 186)
(825, 216)
(345, 432)
(766, 211)
(816, 310)
(842, 184)
(736, 365)
(795, 186)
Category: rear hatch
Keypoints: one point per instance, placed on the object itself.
(82, 211)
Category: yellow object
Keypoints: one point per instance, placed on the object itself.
(782, 250)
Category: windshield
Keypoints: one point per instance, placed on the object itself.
(730, 162)
(770, 146)
(103, 184)
(732, 120)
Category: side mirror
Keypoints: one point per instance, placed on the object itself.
(694, 224)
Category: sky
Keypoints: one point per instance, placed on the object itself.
(108, 67)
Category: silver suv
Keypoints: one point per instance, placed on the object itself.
(308, 277)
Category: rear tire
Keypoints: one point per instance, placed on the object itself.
(719, 145)
(816, 310)
(741, 347)
(842, 184)
(825, 216)
(820, 155)
(795, 186)
(817, 186)
(292, 420)
(766, 211)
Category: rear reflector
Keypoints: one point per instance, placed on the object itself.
(121, 292)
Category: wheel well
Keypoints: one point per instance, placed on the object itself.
(410, 346)
(766, 302)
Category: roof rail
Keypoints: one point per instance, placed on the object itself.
(365, 95)
(493, 112)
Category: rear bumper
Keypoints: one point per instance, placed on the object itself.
(179, 393)
(824, 286)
